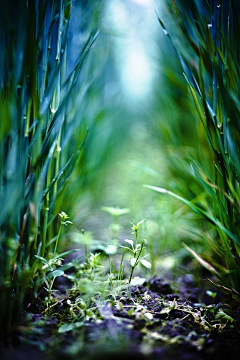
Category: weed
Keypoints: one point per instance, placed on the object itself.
(64, 221)
(116, 212)
(136, 249)
(50, 274)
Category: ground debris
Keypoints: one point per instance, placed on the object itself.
(139, 322)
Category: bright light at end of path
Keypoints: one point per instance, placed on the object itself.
(144, 2)
(137, 74)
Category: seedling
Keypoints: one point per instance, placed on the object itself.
(93, 265)
(50, 273)
(135, 229)
(65, 222)
(211, 294)
(136, 249)
(85, 275)
(115, 228)
(115, 212)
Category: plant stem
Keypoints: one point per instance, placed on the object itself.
(130, 278)
(57, 239)
(59, 36)
(57, 164)
(45, 223)
(85, 244)
(137, 260)
(28, 120)
(136, 233)
(46, 210)
(120, 267)
(50, 289)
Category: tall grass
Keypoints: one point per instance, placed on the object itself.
(39, 117)
(210, 33)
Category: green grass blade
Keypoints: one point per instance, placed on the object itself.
(198, 211)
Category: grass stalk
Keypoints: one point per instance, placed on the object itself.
(58, 237)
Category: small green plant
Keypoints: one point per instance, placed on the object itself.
(64, 221)
(115, 227)
(87, 274)
(136, 249)
(211, 294)
(135, 229)
(116, 212)
(50, 273)
(85, 239)
(93, 265)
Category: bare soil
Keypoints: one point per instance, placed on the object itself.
(157, 320)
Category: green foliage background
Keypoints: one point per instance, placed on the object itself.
(73, 140)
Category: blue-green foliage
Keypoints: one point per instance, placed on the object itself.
(39, 145)
(210, 33)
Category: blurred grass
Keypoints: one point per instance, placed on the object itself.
(146, 143)
(72, 141)
(42, 137)
(208, 54)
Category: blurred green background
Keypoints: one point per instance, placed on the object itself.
(95, 105)
(144, 131)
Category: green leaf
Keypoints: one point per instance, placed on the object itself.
(198, 211)
(115, 211)
(126, 247)
(146, 263)
(48, 95)
(211, 294)
(136, 227)
(42, 259)
(202, 262)
(57, 177)
(57, 273)
(66, 328)
(69, 84)
(65, 253)
(85, 286)
(140, 222)
(137, 281)
(129, 242)
(70, 326)
(43, 175)
(198, 107)
(110, 249)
